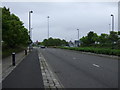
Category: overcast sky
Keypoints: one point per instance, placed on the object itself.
(66, 17)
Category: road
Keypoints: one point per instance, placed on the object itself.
(77, 70)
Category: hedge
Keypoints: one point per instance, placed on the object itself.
(106, 51)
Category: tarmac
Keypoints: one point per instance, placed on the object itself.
(26, 73)
(7, 63)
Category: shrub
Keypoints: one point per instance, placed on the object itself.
(106, 51)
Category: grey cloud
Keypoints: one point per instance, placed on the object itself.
(66, 17)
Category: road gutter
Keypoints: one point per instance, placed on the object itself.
(49, 79)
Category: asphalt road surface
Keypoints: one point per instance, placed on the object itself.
(26, 75)
(77, 70)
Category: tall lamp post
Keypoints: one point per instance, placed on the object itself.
(112, 22)
(30, 24)
(48, 25)
(78, 37)
(78, 33)
(30, 46)
(112, 29)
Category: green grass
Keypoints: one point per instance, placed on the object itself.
(106, 51)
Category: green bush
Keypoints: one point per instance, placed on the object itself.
(106, 51)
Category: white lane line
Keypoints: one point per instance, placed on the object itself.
(74, 58)
(96, 65)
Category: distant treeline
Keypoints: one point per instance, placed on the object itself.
(54, 42)
(111, 40)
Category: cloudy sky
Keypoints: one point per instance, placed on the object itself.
(66, 17)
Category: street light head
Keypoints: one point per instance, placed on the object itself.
(77, 29)
(48, 17)
(111, 14)
(31, 11)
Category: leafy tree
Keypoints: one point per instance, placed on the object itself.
(45, 42)
(13, 32)
(64, 42)
(113, 37)
(90, 39)
(84, 41)
(103, 38)
(54, 42)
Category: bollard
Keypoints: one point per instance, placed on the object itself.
(13, 59)
(25, 52)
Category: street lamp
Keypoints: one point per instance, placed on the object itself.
(30, 46)
(112, 22)
(78, 38)
(30, 24)
(48, 25)
(112, 29)
(78, 34)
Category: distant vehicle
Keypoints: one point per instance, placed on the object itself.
(42, 46)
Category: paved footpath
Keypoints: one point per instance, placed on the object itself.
(7, 63)
(26, 75)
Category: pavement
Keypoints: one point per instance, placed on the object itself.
(78, 70)
(7, 63)
(27, 74)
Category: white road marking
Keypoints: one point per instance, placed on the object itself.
(96, 65)
(74, 58)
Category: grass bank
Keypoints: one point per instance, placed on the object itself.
(106, 51)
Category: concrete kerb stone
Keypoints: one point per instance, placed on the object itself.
(49, 79)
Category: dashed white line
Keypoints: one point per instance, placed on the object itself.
(74, 58)
(95, 65)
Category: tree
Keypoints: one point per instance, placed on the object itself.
(113, 37)
(103, 39)
(90, 39)
(54, 42)
(13, 32)
(84, 41)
